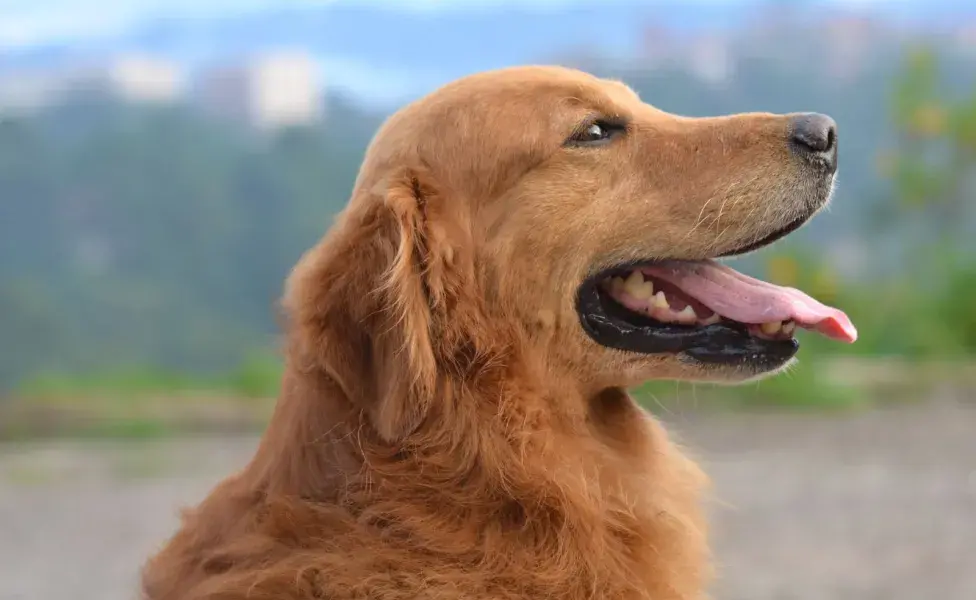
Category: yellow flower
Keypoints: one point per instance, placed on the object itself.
(929, 120)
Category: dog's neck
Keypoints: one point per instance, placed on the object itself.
(319, 439)
(559, 484)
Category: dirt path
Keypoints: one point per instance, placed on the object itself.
(877, 506)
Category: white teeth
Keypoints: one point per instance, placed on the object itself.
(771, 327)
(712, 319)
(637, 287)
(660, 301)
(687, 315)
(789, 327)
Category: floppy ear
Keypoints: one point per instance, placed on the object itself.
(420, 294)
(383, 304)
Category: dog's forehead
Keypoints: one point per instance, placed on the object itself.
(545, 89)
(608, 97)
(591, 94)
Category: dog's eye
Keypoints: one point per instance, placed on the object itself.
(597, 132)
(594, 132)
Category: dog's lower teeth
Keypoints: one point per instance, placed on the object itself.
(660, 301)
(712, 319)
(775, 329)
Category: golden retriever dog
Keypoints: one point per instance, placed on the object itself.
(520, 247)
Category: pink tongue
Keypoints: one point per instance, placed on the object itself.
(741, 298)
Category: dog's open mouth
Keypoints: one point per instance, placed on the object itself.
(704, 309)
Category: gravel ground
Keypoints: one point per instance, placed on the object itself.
(878, 505)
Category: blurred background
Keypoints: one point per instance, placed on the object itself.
(164, 163)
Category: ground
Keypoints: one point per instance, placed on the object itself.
(878, 505)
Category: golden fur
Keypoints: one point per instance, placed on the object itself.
(445, 429)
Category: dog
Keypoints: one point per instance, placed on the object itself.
(520, 247)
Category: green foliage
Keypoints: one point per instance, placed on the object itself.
(122, 382)
(916, 84)
(142, 402)
(934, 164)
(257, 377)
(956, 307)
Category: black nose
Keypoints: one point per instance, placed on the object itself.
(814, 136)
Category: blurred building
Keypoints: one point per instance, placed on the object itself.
(269, 92)
(658, 47)
(848, 42)
(710, 58)
(126, 77)
(138, 78)
(965, 38)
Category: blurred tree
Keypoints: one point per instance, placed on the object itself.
(932, 166)
(933, 160)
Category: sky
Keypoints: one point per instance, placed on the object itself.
(29, 22)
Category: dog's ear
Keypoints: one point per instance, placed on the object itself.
(383, 303)
(421, 294)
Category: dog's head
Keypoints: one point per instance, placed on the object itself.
(547, 206)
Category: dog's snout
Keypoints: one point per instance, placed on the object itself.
(815, 136)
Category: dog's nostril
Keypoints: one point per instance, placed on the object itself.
(813, 132)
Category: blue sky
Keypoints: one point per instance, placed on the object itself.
(28, 22)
